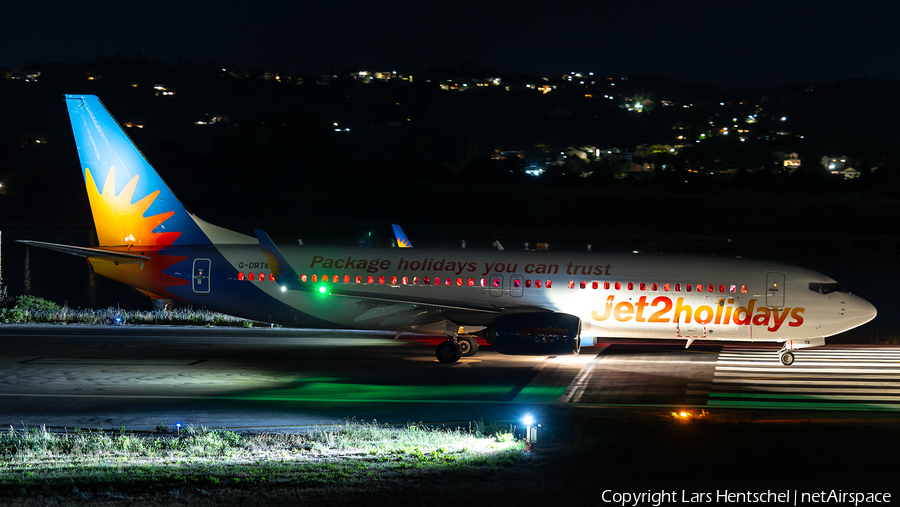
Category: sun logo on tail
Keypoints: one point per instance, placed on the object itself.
(403, 243)
(121, 222)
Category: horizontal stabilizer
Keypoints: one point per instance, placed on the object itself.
(97, 253)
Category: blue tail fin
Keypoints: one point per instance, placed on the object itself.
(130, 202)
(402, 240)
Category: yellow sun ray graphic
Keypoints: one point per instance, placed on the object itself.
(121, 222)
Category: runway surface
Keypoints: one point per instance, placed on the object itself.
(141, 377)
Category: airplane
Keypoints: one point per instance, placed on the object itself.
(523, 302)
(402, 240)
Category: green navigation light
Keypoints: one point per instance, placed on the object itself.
(322, 289)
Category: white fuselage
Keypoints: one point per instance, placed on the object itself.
(636, 296)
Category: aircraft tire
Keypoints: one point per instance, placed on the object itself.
(787, 358)
(576, 346)
(468, 345)
(448, 352)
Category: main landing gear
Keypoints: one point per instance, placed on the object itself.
(451, 350)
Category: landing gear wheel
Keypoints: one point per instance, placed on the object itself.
(576, 345)
(787, 358)
(468, 345)
(448, 352)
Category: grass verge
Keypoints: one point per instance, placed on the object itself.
(25, 309)
(585, 454)
(220, 466)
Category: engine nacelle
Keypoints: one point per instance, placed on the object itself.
(547, 333)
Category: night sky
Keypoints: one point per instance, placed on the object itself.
(722, 43)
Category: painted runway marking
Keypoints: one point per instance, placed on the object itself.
(823, 379)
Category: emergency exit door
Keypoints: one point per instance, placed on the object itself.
(200, 276)
(495, 285)
(775, 290)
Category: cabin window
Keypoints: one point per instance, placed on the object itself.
(710, 288)
(404, 280)
(733, 289)
(371, 279)
(271, 277)
(516, 283)
(314, 279)
(571, 284)
(677, 287)
(484, 282)
(583, 284)
(653, 286)
(743, 289)
(666, 287)
(537, 284)
(496, 282)
(472, 282)
(721, 289)
(549, 284)
(262, 277)
(358, 278)
(688, 287)
(595, 285)
(459, 282)
(393, 280)
(699, 287)
(303, 278)
(381, 279)
(643, 286)
(240, 276)
(346, 278)
(528, 284)
(251, 276)
(437, 280)
(426, 280)
(334, 279)
(618, 286)
(630, 285)
(605, 285)
(415, 280)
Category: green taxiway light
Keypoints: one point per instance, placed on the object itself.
(322, 289)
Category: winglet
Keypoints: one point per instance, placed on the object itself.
(284, 274)
(402, 240)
